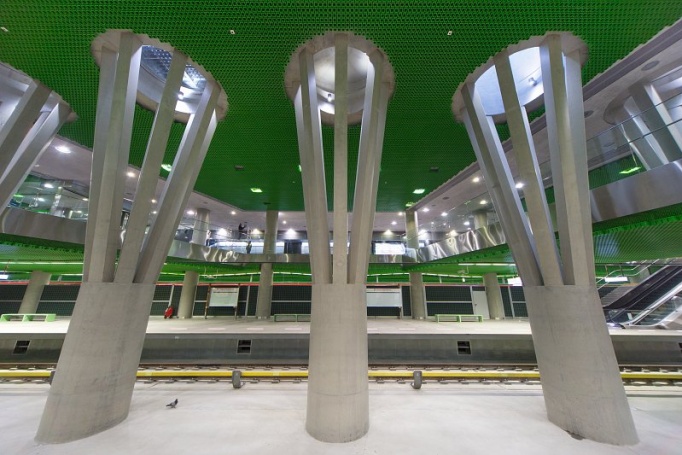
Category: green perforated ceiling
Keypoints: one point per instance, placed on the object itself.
(246, 45)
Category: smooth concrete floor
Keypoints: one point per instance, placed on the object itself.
(267, 418)
(227, 324)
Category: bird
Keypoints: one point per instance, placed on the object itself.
(172, 404)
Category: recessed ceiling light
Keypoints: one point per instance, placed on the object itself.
(466, 223)
(153, 201)
(419, 191)
(166, 167)
(256, 190)
(130, 174)
(233, 212)
(519, 185)
(48, 185)
(400, 213)
(190, 212)
(444, 214)
(483, 202)
(449, 32)
(393, 223)
(86, 199)
(154, 212)
(62, 149)
(232, 32)
(409, 204)
(284, 222)
(476, 179)
(425, 209)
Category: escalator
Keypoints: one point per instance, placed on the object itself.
(642, 297)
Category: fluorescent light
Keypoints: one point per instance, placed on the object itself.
(62, 149)
(256, 190)
(631, 170)
(419, 191)
(616, 279)
(166, 167)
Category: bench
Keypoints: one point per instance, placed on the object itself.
(47, 317)
(292, 317)
(459, 318)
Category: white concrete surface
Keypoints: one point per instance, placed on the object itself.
(580, 377)
(338, 404)
(266, 418)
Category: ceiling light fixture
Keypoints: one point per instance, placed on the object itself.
(483, 202)
(166, 167)
(233, 212)
(256, 190)
(190, 212)
(466, 223)
(393, 223)
(130, 174)
(419, 191)
(425, 209)
(62, 149)
(444, 214)
(631, 170)
(48, 185)
(476, 179)
(519, 185)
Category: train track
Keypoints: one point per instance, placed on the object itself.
(635, 375)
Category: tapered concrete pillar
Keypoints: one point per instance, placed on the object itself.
(188, 294)
(96, 372)
(36, 284)
(264, 302)
(417, 290)
(201, 227)
(339, 79)
(494, 295)
(580, 379)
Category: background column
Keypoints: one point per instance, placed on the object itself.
(417, 290)
(494, 296)
(38, 280)
(264, 302)
(187, 294)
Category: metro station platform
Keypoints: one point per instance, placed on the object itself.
(244, 341)
(267, 418)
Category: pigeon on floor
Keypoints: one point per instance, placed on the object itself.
(173, 404)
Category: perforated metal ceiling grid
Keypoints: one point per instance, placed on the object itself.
(50, 41)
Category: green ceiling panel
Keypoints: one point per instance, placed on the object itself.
(246, 45)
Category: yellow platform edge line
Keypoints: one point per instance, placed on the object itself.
(142, 374)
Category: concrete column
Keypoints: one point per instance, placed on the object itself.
(480, 219)
(338, 408)
(417, 290)
(96, 372)
(580, 379)
(264, 302)
(38, 280)
(188, 294)
(201, 227)
(494, 295)
(338, 401)
(658, 120)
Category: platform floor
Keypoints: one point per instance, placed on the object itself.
(265, 418)
(226, 324)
